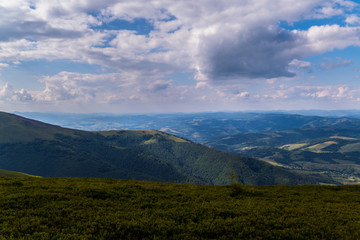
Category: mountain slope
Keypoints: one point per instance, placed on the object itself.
(237, 142)
(14, 128)
(46, 150)
(333, 151)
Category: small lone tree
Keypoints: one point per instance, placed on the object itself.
(236, 187)
(233, 178)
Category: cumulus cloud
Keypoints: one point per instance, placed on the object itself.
(320, 39)
(300, 64)
(32, 19)
(8, 94)
(353, 19)
(261, 54)
(105, 88)
(221, 42)
(67, 86)
(330, 92)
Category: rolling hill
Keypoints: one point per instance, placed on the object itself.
(198, 127)
(52, 151)
(331, 151)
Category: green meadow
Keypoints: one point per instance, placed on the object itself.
(88, 208)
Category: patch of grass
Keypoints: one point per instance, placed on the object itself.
(344, 138)
(291, 147)
(352, 147)
(271, 162)
(318, 148)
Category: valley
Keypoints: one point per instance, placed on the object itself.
(335, 153)
(327, 145)
(47, 150)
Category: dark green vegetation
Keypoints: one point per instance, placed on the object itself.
(14, 129)
(332, 151)
(302, 144)
(51, 151)
(73, 208)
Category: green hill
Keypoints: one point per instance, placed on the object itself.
(51, 151)
(15, 129)
(330, 151)
(84, 208)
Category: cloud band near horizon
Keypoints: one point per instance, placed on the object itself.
(233, 51)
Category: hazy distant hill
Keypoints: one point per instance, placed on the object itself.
(47, 150)
(198, 127)
(333, 151)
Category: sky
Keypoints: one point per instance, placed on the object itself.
(179, 56)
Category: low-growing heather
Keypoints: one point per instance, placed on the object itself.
(84, 208)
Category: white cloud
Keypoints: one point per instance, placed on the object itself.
(328, 93)
(332, 8)
(222, 42)
(67, 86)
(106, 88)
(3, 65)
(19, 20)
(241, 95)
(320, 39)
(300, 64)
(217, 39)
(349, 5)
(353, 19)
(8, 94)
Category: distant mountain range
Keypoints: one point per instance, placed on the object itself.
(42, 149)
(201, 127)
(262, 135)
(333, 151)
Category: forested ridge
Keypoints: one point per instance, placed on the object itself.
(51, 151)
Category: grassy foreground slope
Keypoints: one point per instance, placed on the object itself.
(51, 151)
(83, 208)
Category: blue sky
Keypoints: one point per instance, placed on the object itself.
(184, 56)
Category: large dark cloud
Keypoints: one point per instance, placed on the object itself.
(256, 53)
